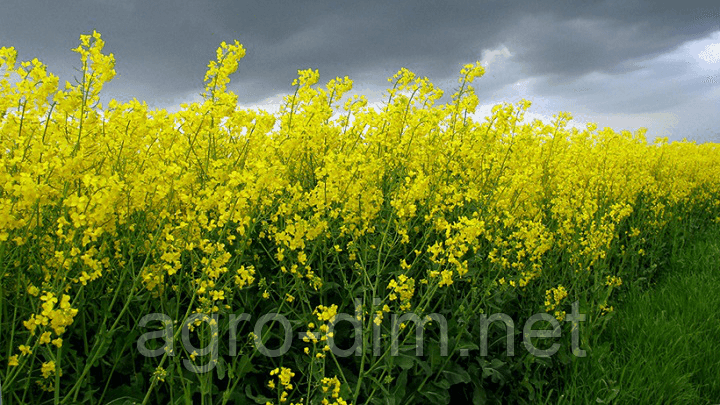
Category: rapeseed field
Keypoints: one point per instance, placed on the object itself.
(328, 254)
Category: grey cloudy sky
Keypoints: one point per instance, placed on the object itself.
(620, 63)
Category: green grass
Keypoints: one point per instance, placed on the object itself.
(663, 345)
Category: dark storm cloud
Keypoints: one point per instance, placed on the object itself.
(166, 44)
(667, 83)
(162, 47)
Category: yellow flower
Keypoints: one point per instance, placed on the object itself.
(44, 338)
(32, 290)
(606, 309)
(324, 313)
(217, 295)
(47, 369)
(554, 296)
(160, 374)
(378, 318)
(446, 278)
(613, 281)
(13, 360)
(24, 350)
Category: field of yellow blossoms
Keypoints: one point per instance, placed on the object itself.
(256, 241)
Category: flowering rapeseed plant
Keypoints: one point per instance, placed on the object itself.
(109, 213)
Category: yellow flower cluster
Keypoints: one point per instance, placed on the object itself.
(380, 314)
(160, 373)
(324, 314)
(57, 317)
(605, 309)
(284, 375)
(402, 289)
(553, 298)
(332, 386)
(47, 369)
(613, 281)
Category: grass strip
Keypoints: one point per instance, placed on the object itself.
(662, 346)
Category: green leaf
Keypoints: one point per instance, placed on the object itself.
(244, 366)
(386, 400)
(494, 375)
(466, 345)
(104, 338)
(381, 385)
(425, 366)
(530, 388)
(497, 364)
(220, 367)
(479, 396)
(405, 362)
(259, 399)
(613, 394)
(400, 386)
(329, 286)
(443, 384)
(123, 394)
(434, 355)
(436, 395)
(456, 375)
